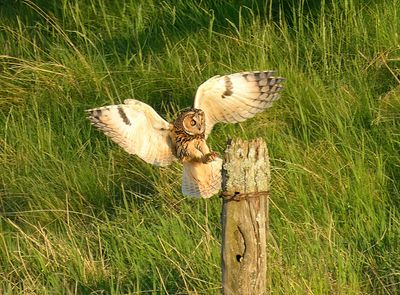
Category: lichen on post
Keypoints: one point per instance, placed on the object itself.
(245, 185)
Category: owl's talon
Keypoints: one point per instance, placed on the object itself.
(210, 157)
(214, 155)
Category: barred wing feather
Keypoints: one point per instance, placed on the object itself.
(137, 128)
(237, 97)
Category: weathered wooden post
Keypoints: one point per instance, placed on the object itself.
(245, 185)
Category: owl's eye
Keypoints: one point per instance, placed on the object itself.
(193, 122)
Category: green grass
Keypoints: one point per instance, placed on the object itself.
(78, 215)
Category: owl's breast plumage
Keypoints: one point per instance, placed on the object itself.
(186, 147)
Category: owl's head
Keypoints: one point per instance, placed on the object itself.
(191, 121)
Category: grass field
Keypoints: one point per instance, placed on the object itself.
(80, 216)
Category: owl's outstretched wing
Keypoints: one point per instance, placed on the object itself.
(237, 97)
(201, 180)
(137, 128)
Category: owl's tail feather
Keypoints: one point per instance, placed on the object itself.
(201, 180)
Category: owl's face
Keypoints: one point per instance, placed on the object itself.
(193, 121)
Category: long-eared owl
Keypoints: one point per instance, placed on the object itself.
(137, 128)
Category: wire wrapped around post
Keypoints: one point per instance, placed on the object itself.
(237, 196)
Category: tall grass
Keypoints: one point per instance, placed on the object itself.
(78, 215)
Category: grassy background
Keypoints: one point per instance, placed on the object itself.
(78, 215)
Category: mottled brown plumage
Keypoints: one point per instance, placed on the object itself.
(189, 138)
(137, 128)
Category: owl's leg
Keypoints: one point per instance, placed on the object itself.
(207, 154)
(200, 157)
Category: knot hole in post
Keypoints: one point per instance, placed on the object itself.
(239, 258)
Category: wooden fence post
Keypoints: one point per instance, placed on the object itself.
(245, 185)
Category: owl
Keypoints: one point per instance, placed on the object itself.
(139, 130)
